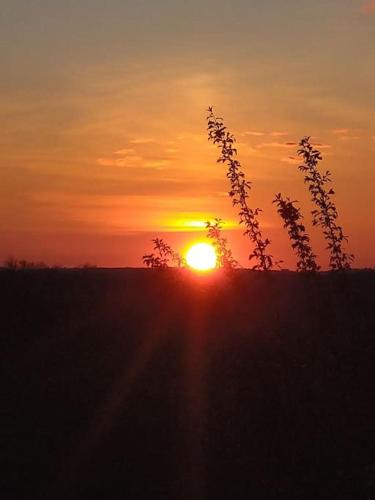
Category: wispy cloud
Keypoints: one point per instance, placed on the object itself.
(133, 160)
(258, 133)
(128, 161)
(253, 133)
(340, 131)
(146, 140)
(245, 148)
(126, 151)
(278, 134)
(368, 7)
(291, 160)
(345, 134)
(276, 145)
(157, 163)
(349, 137)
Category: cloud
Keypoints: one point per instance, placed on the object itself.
(345, 134)
(133, 160)
(349, 137)
(253, 133)
(339, 131)
(126, 151)
(146, 140)
(157, 163)
(245, 148)
(278, 134)
(368, 7)
(276, 145)
(128, 161)
(256, 133)
(291, 160)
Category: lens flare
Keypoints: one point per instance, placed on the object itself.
(201, 257)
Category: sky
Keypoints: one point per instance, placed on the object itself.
(103, 105)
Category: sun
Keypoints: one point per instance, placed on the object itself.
(201, 256)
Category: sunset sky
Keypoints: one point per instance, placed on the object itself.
(103, 104)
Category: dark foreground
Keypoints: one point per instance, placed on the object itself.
(135, 384)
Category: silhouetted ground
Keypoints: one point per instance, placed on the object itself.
(143, 384)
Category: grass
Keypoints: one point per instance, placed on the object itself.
(164, 384)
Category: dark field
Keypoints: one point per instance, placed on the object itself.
(142, 384)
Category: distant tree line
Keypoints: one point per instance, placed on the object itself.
(13, 264)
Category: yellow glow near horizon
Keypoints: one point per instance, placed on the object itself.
(201, 257)
(191, 224)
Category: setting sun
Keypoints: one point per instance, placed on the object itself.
(201, 257)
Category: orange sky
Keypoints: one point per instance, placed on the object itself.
(103, 142)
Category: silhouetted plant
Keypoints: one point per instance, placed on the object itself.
(326, 214)
(164, 256)
(240, 189)
(292, 217)
(224, 254)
